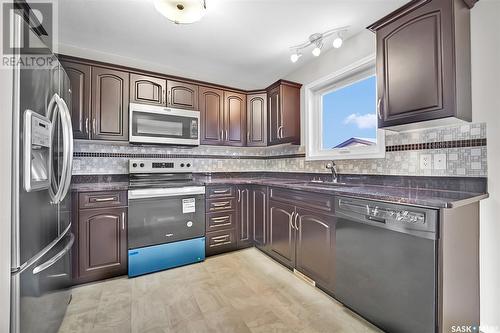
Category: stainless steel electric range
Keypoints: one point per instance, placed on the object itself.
(166, 224)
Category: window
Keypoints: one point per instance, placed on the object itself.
(341, 115)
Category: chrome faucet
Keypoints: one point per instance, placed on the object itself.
(333, 168)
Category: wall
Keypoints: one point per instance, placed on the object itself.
(5, 194)
(402, 156)
(485, 22)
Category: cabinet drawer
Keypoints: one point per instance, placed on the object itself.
(102, 199)
(220, 241)
(304, 199)
(218, 205)
(220, 192)
(220, 221)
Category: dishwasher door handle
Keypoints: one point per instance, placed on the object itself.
(375, 219)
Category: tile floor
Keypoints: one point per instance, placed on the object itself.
(243, 291)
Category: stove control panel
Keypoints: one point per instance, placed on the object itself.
(174, 165)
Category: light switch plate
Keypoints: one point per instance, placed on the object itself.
(425, 162)
(440, 162)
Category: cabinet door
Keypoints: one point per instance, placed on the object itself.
(414, 85)
(234, 119)
(182, 95)
(102, 243)
(256, 120)
(316, 247)
(282, 233)
(258, 214)
(211, 116)
(274, 115)
(147, 90)
(79, 77)
(290, 113)
(245, 227)
(110, 99)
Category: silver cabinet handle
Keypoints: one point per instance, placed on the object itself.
(94, 126)
(290, 220)
(123, 220)
(87, 125)
(248, 136)
(105, 199)
(56, 258)
(239, 195)
(220, 191)
(220, 204)
(295, 221)
(169, 102)
(222, 135)
(227, 136)
(379, 104)
(220, 219)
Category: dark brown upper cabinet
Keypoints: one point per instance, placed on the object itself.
(423, 64)
(79, 77)
(257, 120)
(283, 113)
(147, 90)
(235, 106)
(182, 95)
(211, 115)
(110, 101)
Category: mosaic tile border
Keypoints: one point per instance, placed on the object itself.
(219, 157)
(438, 145)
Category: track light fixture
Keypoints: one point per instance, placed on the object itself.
(317, 40)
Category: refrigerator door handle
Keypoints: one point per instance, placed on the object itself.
(18, 270)
(57, 106)
(56, 258)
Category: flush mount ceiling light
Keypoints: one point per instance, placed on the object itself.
(182, 11)
(317, 40)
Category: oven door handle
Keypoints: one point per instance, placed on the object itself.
(165, 192)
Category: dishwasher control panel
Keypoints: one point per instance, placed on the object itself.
(420, 221)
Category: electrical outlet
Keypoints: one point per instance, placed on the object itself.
(440, 162)
(425, 162)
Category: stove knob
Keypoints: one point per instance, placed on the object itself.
(188, 165)
(141, 165)
(182, 165)
(134, 165)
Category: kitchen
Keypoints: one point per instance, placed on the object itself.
(333, 176)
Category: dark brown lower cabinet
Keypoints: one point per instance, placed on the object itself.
(282, 233)
(101, 245)
(304, 240)
(258, 215)
(244, 225)
(315, 247)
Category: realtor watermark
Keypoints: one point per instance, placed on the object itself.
(29, 34)
(474, 328)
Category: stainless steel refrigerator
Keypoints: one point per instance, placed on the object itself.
(41, 218)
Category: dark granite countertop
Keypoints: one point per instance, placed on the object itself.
(406, 191)
(403, 195)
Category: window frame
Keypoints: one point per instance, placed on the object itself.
(314, 93)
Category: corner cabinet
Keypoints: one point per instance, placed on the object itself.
(283, 108)
(257, 120)
(235, 106)
(110, 102)
(415, 86)
(101, 235)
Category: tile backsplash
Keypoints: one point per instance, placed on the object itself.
(464, 147)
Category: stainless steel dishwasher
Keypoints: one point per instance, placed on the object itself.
(386, 264)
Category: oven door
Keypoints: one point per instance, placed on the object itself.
(150, 124)
(159, 216)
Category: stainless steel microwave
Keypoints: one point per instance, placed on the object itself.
(160, 125)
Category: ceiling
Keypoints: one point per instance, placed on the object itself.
(239, 43)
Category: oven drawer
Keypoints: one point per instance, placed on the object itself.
(102, 199)
(221, 221)
(220, 192)
(218, 205)
(220, 241)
